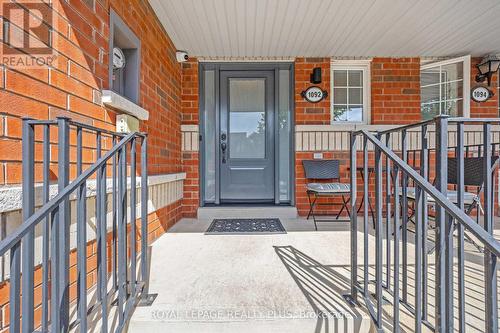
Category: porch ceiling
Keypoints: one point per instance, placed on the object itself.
(287, 28)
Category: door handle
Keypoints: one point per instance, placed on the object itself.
(223, 147)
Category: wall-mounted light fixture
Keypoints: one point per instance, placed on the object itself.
(488, 66)
(316, 75)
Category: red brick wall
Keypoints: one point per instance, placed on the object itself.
(190, 160)
(308, 113)
(189, 92)
(395, 93)
(81, 71)
(68, 88)
(488, 109)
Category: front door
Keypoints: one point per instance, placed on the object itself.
(246, 139)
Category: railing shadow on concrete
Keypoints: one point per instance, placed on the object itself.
(323, 288)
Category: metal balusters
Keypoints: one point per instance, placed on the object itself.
(395, 322)
(354, 221)
(424, 172)
(460, 227)
(63, 223)
(441, 185)
(54, 220)
(28, 241)
(103, 227)
(46, 229)
(133, 205)
(366, 205)
(144, 212)
(490, 260)
(81, 221)
(114, 207)
(404, 231)
(446, 213)
(378, 236)
(98, 207)
(418, 258)
(388, 213)
(122, 224)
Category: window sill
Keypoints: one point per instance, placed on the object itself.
(116, 101)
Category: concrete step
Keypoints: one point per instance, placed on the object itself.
(210, 213)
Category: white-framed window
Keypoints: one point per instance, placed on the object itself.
(350, 91)
(445, 88)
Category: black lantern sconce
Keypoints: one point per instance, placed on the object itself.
(316, 75)
(488, 66)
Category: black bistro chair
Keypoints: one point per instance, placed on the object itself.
(325, 170)
(474, 185)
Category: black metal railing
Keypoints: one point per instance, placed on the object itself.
(399, 185)
(117, 279)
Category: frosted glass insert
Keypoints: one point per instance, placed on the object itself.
(284, 135)
(247, 118)
(209, 138)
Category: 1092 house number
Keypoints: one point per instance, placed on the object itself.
(314, 94)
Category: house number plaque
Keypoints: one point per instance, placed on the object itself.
(481, 94)
(314, 94)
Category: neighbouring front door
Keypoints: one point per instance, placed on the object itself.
(246, 139)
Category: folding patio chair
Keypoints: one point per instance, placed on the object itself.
(325, 170)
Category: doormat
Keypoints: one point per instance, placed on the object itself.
(246, 226)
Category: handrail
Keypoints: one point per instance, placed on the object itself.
(115, 230)
(7, 243)
(431, 121)
(490, 242)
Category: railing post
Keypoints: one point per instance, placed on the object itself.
(63, 223)
(388, 231)
(133, 206)
(354, 221)
(46, 230)
(102, 285)
(460, 156)
(81, 222)
(490, 260)
(144, 213)
(404, 222)
(122, 226)
(424, 170)
(378, 234)
(441, 288)
(28, 241)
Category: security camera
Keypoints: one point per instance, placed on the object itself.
(181, 56)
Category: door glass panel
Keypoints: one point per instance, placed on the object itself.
(247, 118)
(284, 135)
(209, 141)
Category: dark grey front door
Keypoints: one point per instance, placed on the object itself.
(246, 139)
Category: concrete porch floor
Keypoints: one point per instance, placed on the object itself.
(250, 283)
(291, 282)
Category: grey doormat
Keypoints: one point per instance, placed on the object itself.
(245, 226)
